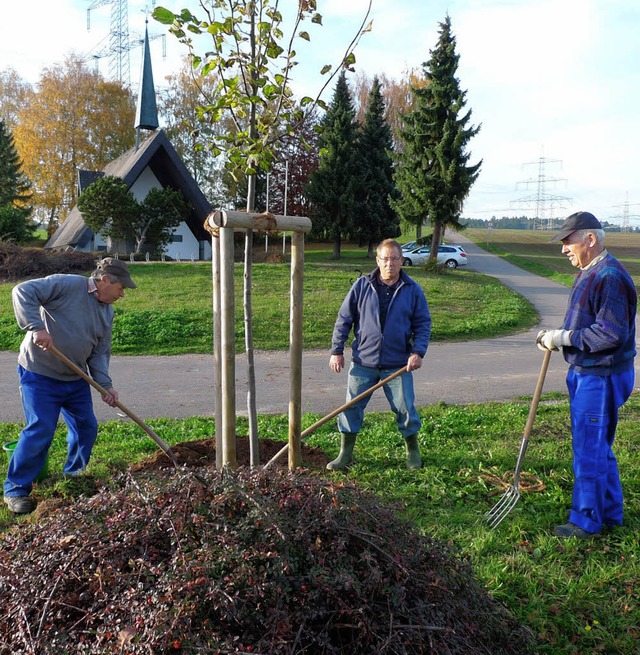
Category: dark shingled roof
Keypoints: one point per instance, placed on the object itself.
(160, 156)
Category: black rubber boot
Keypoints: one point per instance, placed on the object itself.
(413, 452)
(347, 442)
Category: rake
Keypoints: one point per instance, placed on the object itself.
(509, 499)
(78, 371)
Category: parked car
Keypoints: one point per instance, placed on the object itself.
(412, 245)
(449, 256)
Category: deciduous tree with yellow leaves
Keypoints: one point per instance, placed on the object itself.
(73, 120)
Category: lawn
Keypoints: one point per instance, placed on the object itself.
(170, 312)
(577, 597)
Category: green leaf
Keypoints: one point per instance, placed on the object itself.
(317, 19)
(163, 15)
(304, 35)
(325, 69)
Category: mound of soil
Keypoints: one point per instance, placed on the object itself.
(203, 453)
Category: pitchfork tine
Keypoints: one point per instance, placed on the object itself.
(510, 498)
(499, 511)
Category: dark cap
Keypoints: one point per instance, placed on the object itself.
(117, 270)
(577, 221)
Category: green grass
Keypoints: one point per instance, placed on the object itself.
(170, 312)
(577, 597)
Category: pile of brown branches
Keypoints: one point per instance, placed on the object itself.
(246, 562)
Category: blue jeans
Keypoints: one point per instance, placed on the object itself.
(597, 491)
(43, 399)
(399, 393)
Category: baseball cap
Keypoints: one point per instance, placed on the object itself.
(117, 270)
(577, 221)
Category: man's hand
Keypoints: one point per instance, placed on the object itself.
(111, 397)
(42, 339)
(414, 363)
(336, 363)
(553, 339)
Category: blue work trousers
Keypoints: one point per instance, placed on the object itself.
(597, 491)
(43, 400)
(399, 393)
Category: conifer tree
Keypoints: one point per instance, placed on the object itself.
(15, 192)
(375, 219)
(434, 176)
(333, 187)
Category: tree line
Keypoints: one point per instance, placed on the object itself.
(382, 154)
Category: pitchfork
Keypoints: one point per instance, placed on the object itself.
(509, 499)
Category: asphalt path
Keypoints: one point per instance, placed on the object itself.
(476, 371)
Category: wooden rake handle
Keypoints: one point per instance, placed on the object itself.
(305, 433)
(76, 369)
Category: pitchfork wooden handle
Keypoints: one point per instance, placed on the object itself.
(335, 412)
(535, 401)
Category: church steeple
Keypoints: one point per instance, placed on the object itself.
(146, 111)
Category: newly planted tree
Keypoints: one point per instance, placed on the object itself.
(251, 59)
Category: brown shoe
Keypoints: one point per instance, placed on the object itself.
(20, 504)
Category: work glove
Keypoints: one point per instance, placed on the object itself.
(553, 339)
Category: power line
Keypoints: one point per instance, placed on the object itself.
(626, 216)
(544, 202)
(120, 44)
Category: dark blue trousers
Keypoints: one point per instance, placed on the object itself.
(43, 400)
(597, 492)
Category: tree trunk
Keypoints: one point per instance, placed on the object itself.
(336, 247)
(254, 455)
(435, 241)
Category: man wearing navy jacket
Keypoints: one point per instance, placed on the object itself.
(598, 340)
(391, 325)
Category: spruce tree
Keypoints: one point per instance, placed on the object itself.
(333, 187)
(433, 174)
(15, 192)
(376, 220)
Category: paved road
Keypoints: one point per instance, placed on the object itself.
(478, 371)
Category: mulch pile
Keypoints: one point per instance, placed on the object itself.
(195, 560)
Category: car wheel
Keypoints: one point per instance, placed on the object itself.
(451, 263)
(407, 262)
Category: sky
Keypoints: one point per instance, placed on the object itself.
(553, 84)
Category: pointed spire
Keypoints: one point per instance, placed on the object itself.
(146, 111)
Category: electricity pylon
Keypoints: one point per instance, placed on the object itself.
(543, 202)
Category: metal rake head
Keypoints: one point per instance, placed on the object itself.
(499, 511)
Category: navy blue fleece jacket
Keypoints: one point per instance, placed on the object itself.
(407, 327)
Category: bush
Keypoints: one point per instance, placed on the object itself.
(18, 263)
(247, 562)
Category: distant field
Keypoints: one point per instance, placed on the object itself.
(532, 251)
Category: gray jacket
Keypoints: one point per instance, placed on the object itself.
(79, 324)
